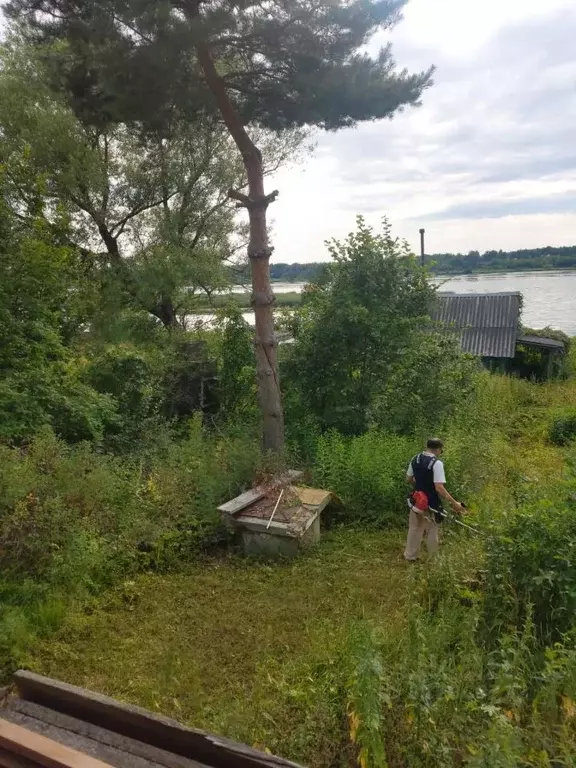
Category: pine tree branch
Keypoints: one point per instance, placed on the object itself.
(244, 201)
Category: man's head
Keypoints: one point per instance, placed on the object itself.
(435, 446)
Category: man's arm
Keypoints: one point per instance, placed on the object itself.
(410, 479)
(443, 493)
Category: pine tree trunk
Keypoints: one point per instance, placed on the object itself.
(259, 252)
(266, 343)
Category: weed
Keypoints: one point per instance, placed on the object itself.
(366, 697)
(563, 430)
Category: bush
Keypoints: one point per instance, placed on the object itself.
(368, 473)
(446, 700)
(425, 387)
(40, 297)
(563, 430)
(126, 375)
(530, 561)
(237, 386)
(75, 521)
(52, 396)
(355, 326)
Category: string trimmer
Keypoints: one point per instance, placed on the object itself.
(453, 519)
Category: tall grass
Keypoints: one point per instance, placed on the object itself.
(368, 474)
(365, 688)
(75, 521)
(485, 674)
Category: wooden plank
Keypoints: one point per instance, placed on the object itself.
(127, 752)
(39, 749)
(138, 724)
(102, 752)
(241, 502)
(313, 497)
(10, 760)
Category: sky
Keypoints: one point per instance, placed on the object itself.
(487, 162)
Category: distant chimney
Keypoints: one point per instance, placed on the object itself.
(422, 249)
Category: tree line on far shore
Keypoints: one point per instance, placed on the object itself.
(455, 263)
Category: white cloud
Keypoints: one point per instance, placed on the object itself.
(489, 161)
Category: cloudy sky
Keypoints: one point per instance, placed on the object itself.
(488, 161)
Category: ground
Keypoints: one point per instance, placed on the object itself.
(238, 647)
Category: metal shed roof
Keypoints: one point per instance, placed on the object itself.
(488, 322)
(542, 341)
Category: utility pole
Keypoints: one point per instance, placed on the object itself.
(422, 250)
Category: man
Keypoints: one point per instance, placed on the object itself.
(426, 474)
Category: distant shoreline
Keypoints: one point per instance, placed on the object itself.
(242, 301)
(468, 273)
(503, 271)
(545, 259)
(288, 299)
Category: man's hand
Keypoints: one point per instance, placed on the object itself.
(458, 508)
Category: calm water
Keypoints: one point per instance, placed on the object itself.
(549, 297)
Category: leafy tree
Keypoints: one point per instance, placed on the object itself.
(40, 292)
(425, 385)
(156, 201)
(277, 64)
(237, 384)
(357, 325)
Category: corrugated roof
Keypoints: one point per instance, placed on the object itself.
(541, 341)
(488, 322)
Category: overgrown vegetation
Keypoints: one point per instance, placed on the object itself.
(347, 654)
(124, 423)
(75, 521)
(469, 661)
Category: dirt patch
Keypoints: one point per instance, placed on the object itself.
(288, 509)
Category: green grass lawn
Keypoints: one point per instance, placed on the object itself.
(239, 647)
(243, 301)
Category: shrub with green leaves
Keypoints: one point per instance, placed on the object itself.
(355, 327)
(368, 473)
(237, 384)
(131, 379)
(530, 561)
(427, 385)
(40, 298)
(563, 429)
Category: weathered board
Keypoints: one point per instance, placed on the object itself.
(137, 724)
(241, 502)
(113, 748)
(41, 750)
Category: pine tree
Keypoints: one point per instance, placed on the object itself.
(273, 63)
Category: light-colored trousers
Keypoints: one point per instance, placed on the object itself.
(419, 525)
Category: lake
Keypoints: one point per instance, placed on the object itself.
(549, 297)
